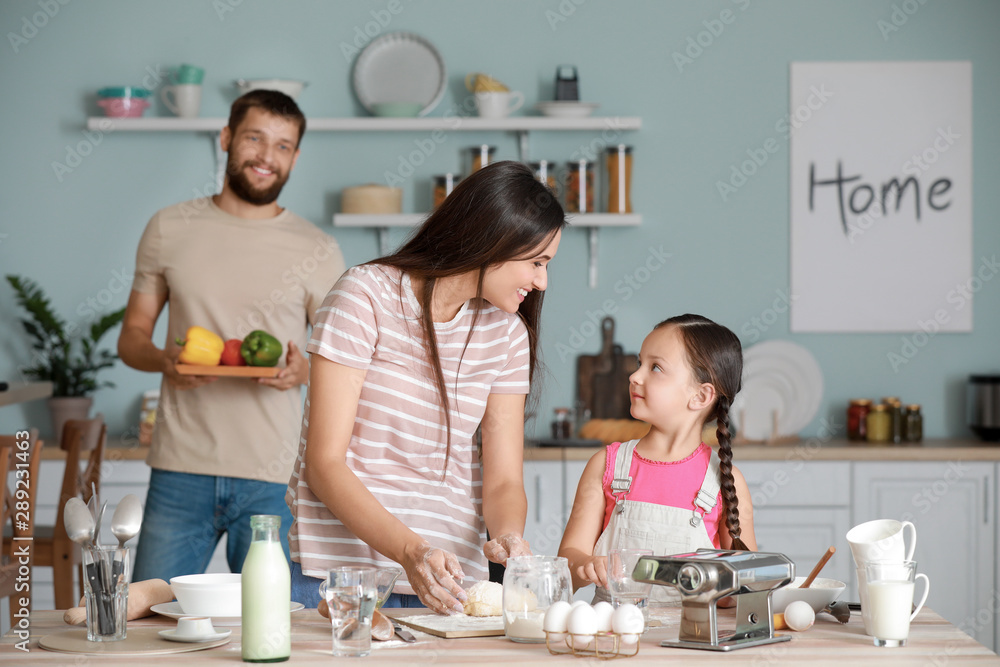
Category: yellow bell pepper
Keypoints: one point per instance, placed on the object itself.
(201, 347)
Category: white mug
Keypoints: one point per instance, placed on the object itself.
(184, 99)
(498, 104)
(191, 627)
(881, 539)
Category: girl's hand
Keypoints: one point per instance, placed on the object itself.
(433, 573)
(506, 546)
(594, 570)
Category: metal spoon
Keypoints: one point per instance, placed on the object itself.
(78, 520)
(127, 519)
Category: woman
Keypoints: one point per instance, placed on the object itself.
(411, 354)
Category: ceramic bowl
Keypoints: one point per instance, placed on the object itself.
(819, 594)
(289, 87)
(216, 594)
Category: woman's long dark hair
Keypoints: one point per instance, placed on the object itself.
(499, 213)
(716, 356)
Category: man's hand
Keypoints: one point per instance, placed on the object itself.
(176, 379)
(295, 372)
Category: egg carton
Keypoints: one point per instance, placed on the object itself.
(601, 645)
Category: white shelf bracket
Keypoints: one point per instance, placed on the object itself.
(383, 241)
(523, 145)
(592, 269)
(220, 162)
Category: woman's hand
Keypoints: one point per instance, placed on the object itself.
(593, 570)
(433, 573)
(501, 548)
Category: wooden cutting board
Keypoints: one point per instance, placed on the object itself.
(602, 379)
(230, 371)
(449, 627)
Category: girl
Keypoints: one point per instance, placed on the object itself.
(411, 355)
(667, 491)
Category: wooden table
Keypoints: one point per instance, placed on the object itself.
(20, 392)
(933, 642)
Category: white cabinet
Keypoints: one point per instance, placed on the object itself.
(801, 509)
(543, 485)
(952, 504)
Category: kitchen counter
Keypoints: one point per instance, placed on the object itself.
(933, 641)
(815, 449)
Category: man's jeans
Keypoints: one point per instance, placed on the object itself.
(187, 514)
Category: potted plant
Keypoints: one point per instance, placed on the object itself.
(66, 355)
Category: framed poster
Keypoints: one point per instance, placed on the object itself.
(881, 197)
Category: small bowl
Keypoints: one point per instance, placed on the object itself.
(820, 593)
(566, 109)
(218, 594)
(397, 109)
(289, 87)
(123, 107)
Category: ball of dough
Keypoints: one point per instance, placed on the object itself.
(485, 599)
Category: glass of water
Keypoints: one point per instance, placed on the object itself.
(351, 594)
(622, 587)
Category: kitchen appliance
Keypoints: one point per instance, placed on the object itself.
(708, 575)
(984, 406)
(602, 379)
(567, 84)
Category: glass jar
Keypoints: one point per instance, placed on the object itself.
(618, 160)
(878, 423)
(545, 172)
(480, 156)
(914, 429)
(857, 412)
(562, 428)
(580, 187)
(896, 418)
(266, 589)
(443, 185)
(531, 584)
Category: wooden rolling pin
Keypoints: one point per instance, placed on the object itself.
(142, 595)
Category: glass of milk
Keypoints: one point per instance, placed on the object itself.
(890, 599)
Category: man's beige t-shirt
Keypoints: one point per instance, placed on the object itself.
(232, 275)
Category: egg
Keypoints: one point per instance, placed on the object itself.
(555, 620)
(577, 603)
(582, 623)
(604, 611)
(629, 623)
(799, 615)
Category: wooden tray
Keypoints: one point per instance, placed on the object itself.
(138, 641)
(449, 627)
(230, 371)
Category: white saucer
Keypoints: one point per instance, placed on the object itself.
(171, 635)
(174, 610)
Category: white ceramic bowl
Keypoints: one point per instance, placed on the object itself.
(216, 594)
(566, 109)
(820, 593)
(289, 87)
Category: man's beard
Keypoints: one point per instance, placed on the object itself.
(240, 184)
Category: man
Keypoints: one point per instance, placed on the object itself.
(223, 448)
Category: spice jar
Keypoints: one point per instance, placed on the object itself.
(878, 423)
(480, 156)
(619, 169)
(857, 412)
(545, 172)
(896, 417)
(562, 428)
(914, 424)
(530, 585)
(580, 187)
(443, 185)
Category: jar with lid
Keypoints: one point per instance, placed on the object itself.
(857, 413)
(580, 186)
(914, 424)
(562, 427)
(545, 172)
(480, 156)
(896, 418)
(618, 160)
(878, 423)
(531, 584)
(443, 185)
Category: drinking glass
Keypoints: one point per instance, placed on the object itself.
(105, 586)
(351, 594)
(622, 587)
(890, 599)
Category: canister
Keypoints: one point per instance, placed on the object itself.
(879, 424)
(480, 156)
(618, 160)
(530, 585)
(857, 413)
(580, 186)
(443, 185)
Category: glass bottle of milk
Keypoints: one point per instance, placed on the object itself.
(267, 595)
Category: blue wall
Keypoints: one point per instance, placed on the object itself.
(728, 260)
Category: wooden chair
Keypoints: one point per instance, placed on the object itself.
(20, 454)
(82, 440)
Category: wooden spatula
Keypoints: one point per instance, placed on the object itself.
(819, 566)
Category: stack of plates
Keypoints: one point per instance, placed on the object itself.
(779, 378)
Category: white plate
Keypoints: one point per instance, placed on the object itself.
(173, 610)
(567, 109)
(777, 376)
(399, 67)
(171, 635)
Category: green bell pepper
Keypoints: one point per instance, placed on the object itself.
(260, 348)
